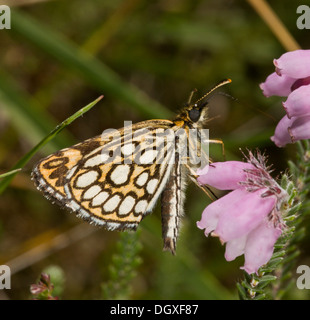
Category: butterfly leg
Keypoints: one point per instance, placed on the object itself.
(219, 142)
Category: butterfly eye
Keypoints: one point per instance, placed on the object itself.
(194, 115)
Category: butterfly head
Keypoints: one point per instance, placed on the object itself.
(195, 114)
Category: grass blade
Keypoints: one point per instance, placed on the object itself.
(9, 173)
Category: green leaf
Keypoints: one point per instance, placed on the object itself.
(260, 297)
(267, 278)
(242, 292)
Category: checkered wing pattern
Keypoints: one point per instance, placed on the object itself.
(107, 180)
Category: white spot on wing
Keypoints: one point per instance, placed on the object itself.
(151, 186)
(127, 205)
(148, 157)
(86, 179)
(71, 172)
(128, 149)
(112, 203)
(100, 198)
(91, 192)
(141, 206)
(97, 160)
(141, 181)
(120, 174)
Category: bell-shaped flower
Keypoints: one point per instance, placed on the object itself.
(298, 102)
(224, 175)
(247, 219)
(277, 86)
(281, 135)
(259, 246)
(291, 130)
(294, 64)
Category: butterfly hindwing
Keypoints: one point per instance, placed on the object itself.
(103, 182)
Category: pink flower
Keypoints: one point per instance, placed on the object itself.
(291, 79)
(298, 102)
(291, 130)
(43, 289)
(234, 171)
(277, 86)
(248, 219)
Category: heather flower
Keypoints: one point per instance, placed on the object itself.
(291, 130)
(248, 219)
(234, 171)
(291, 79)
(43, 289)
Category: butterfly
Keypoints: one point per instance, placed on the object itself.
(115, 179)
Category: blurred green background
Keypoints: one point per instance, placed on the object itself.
(145, 57)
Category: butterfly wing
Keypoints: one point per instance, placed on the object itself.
(111, 180)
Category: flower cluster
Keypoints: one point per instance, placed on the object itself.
(291, 79)
(248, 219)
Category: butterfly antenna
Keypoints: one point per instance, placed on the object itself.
(220, 84)
(227, 95)
(191, 96)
